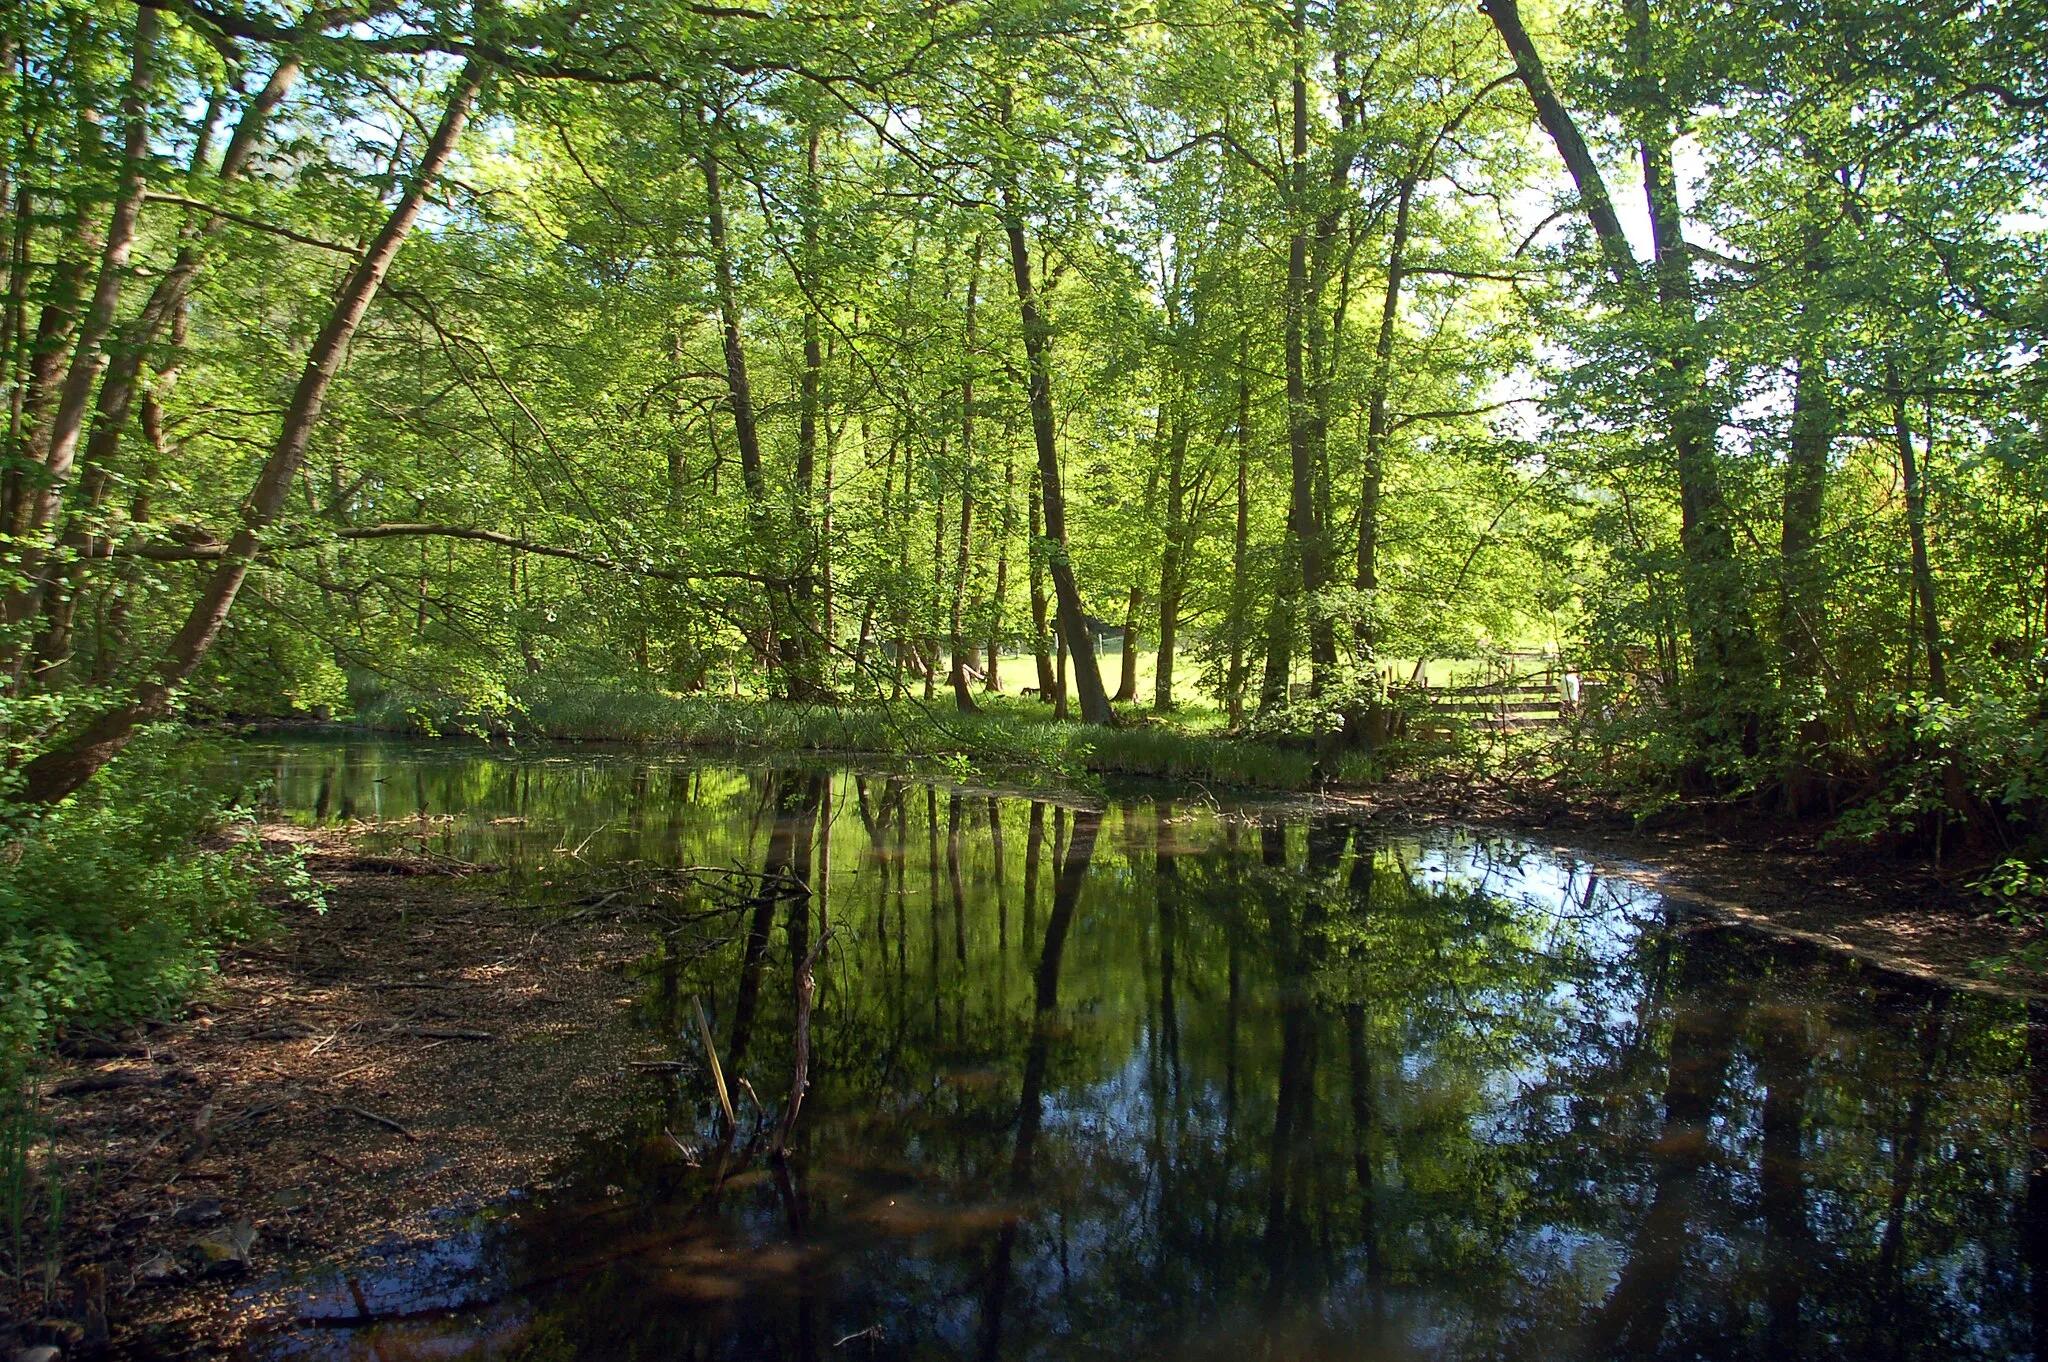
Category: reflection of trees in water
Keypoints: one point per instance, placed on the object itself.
(1294, 1082)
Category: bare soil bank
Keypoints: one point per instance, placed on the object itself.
(419, 1045)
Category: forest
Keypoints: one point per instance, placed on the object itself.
(700, 617)
(1140, 386)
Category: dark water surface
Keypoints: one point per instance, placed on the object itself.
(1170, 1080)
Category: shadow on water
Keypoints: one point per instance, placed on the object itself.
(1182, 1082)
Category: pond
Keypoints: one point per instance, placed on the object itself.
(1146, 1076)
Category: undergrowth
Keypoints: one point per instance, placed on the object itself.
(114, 903)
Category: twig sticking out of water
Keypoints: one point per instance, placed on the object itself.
(800, 1075)
(717, 1072)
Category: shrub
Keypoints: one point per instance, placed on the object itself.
(111, 909)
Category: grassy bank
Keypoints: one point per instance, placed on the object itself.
(1010, 735)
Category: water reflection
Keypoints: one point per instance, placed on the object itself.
(1178, 1082)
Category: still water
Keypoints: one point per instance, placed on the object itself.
(1146, 1077)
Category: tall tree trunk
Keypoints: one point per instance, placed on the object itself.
(165, 308)
(1724, 636)
(1041, 634)
(1368, 572)
(1066, 590)
(70, 764)
(963, 695)
(1127, 671)
(1172, 563)
(1240, 547)
(1304, 530)
(89, 355)
(1564, 132)
(802, 656)
(1916, 532)
(739, 389)
(1803, 604)
(992, 682)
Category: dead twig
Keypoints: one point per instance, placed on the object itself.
(717, 1072)
(441, 1033)
(375, 1119)
(800, 1073)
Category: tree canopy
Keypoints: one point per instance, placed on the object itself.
(830, 353)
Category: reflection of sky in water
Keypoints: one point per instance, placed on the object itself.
(1431, 1103)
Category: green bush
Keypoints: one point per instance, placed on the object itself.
(110, 907)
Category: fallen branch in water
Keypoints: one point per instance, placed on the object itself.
(717, 1072)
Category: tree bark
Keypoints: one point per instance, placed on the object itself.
(992, 681)
(89, 355)
(1127, 669)
(1916, 534)
(1368, 575)
(963, 694)
(1066, 590)
(1172, 563)
(1563, 129)
(1240, 547)
(1041, 634)
(803, 655)
(67, 766)
(739, 388)
(164, 308)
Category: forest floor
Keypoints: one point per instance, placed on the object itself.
(418, 1046)
(425, 1044)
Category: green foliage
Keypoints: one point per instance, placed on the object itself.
(113, 904)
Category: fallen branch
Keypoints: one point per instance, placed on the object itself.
(717, 1073)
(78, 1087)
(375, 1119)
(441, 1033)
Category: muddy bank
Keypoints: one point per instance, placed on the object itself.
(1781, 879)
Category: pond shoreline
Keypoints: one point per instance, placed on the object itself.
(367, 1067)
(1736, 863)
(1760, 873)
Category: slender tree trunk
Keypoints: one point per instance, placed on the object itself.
(1240, 548)
(992, 682)
(70, 764)
(1803, 604)
(89, 355)
(963, 695)
(1724, 636)
(1127, 672)
(1304, 574)
(1041, 634)
(739, 388)
(1564, 133)
(1037, 352)
(1368, 574)
(1916, 534)
(165, 308)
(1059, 702)
(801, 660)
(1172, 563)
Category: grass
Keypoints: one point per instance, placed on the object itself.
(1010, 734)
